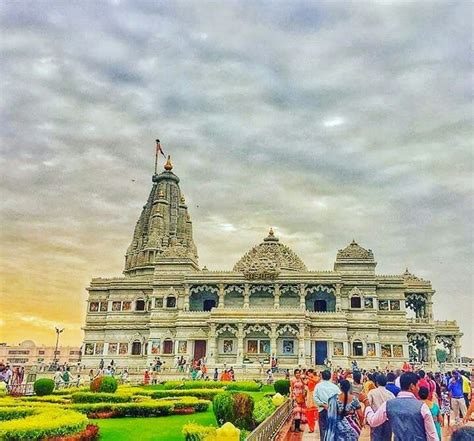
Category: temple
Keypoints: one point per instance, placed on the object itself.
(269, 304)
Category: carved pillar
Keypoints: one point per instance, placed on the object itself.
(429, 307)
(457, 347)
(432, 350)
(212, 352)
(338, 296)
(301, 345)
(273, 339)
(221, 295)
(246, 295)
(276, 298)
(240, 343)
(302, 296)
(186, 298)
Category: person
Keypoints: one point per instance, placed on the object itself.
(311, 409)
(269, 379)
(409, 418)
(445, 405)
(457, 397)
(124, 376)
(146, 378)
(463, 434)
(434, 409)
(469, 412)
(369, 384)
(391, 386)
(344, 415)
(466, 387)
(322, 392)
(66, 377)
(101, 364)
(287, 374)
(225, 376)
(58, 378)
(216, 374)
(357, 385)
(298, 395)
(91, 374)
(376, 397)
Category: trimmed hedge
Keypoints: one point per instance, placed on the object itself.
(47, 399)
(207, 394)
(43, 423)
(263, 409)
(127, 409)
(196, 432)
(71, 390)
(13, 413)
(43, 386)
(92, 397)
(246, 386)
(282, 387)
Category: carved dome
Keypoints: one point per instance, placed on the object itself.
(355, 252)
(268, 259)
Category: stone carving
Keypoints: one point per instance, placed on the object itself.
(257, 328)
(355, 251)
(227, 328)
(266, 260)
(355, 292)
(261, 288)
(287, 329)
(204, 288)
(320, 288)
(234, 288)
(411, 277)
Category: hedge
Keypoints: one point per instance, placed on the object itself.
(247, 386)
(92, 397)
(12, 413)
(70, 390)
(282, 387)
(43, 423)
(47, 399)
(196, 432)
(263, 409)
(207, 394)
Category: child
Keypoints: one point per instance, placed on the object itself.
(445, 404)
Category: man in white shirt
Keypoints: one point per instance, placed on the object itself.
(376, 398)
(322, 392)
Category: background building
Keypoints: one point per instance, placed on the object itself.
(27, 354)
(268, 304)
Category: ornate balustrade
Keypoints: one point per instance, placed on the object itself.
(269, 428)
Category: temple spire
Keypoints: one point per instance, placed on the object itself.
(168, 166)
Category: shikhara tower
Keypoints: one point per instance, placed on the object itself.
(270, 303)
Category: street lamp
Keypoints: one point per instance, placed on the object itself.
(58, 331)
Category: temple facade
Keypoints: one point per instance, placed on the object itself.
(269, 304)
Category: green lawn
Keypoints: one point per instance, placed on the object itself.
(166, 428)
(147, 429)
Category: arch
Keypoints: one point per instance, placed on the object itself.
(320, 300)
(203, 300)
(226, 329)
(289, 296)
(256, 329)
(287, 330)
(356, 298)
(234, 296)
(140, 305)
(261, 296)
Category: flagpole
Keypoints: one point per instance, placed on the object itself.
(156, 156)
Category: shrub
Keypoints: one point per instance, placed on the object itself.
(282, 387)
(91, 397)
(47, 399)
(43, 386)
(108, 385)
(243, 411)
(95, 384)
(43, 423)
(71, 390)
(146, 409)
(246, 386)
(207, 394)
(196, 432)
(263, 409)
(3, 389)
(223, 407)
(13, 413)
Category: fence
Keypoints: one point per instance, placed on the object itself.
(269, 428)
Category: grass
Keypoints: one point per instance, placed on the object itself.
(147, 429)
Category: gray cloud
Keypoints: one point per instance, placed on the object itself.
(329, 121)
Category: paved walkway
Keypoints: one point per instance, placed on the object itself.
(365, 436)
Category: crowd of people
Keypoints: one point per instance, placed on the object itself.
(411, 405)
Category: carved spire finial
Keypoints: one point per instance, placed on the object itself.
(168, 165)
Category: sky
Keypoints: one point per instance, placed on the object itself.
(329, 121)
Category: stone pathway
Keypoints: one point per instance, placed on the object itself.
(365, 436)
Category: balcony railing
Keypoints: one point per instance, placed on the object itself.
(269, 428)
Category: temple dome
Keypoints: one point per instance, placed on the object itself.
(268, 259)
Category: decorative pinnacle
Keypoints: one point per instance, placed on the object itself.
(271, 233)
(271, 237)
(168, 165)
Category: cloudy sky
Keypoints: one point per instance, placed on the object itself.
(326, 120)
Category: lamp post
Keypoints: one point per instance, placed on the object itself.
(58, 331)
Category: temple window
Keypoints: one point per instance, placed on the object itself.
(159, 302)
(171, 302)
(356, 302)
(394, 305)
(103, 306)
(258, 346)
(383, 305)
(386, 351)
(320, 299)
(320, 306)
(126, 306)
(140, 305)
(357, 349)
(116, 306)
(203, 298)
(208, 304)
(94, 306)
(168, 347)
(136, 348)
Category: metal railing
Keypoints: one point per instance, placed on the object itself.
(269, 428)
